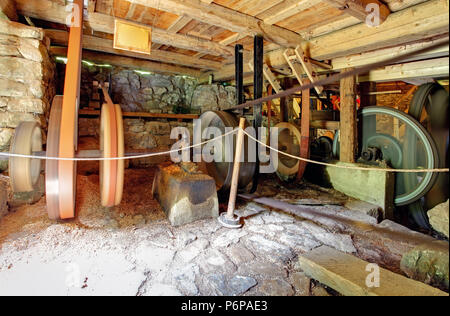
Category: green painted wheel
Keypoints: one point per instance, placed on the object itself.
(430, 106)
(404, 143)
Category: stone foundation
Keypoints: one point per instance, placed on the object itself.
(27, 83)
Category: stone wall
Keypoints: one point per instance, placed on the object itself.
(137, 91)
(153, 93)
(26, 79)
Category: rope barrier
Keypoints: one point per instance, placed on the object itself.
(442, 170)
(162, 153)
(346, 167)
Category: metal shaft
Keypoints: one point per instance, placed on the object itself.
(237, 165)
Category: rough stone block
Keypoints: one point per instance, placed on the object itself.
(11, 119)
(18, 29)
(375, 187)
(19, 68)
(428, 263)
(185, 196)
(439, 218)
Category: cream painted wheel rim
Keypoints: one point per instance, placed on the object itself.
(24, 172)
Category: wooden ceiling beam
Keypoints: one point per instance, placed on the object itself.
(401, 28)
(50, 11)
(106, 45)
(359, 8)
(132, 63)
(8, 10)
(285, 10)
(226, 18)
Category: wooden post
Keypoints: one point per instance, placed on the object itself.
(348, 132)
(305, 127)
(236, 168)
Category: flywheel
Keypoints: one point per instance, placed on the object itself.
(222, 170)
(24, 172)
(111, 146)
(60, 180)
(403, 143)
(430, 106)
(289, 139)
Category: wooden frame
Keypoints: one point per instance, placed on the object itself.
(125, 42)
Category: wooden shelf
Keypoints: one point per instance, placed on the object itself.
(144, 114)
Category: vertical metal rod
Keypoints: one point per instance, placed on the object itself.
(258, 82)
(239, 62)
(236, 168)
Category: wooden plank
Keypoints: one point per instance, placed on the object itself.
(357, 8)
(285, 10)
(431, 68)
(8, 10)
(145, 114)
(347, 275)
(53, 12)
(348, 135)
(104, 45)
(133, 63)
(307, 67)
(226, 18)
(92, 5)
(400, 28)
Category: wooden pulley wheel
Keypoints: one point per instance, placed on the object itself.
(60, 203)
(289, 140)
(24, 172)
(111, 146)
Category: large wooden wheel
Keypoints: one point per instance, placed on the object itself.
(111, 146)
(289, 140)
(24, 172)
(60, 178)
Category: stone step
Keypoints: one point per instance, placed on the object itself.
(349, 276)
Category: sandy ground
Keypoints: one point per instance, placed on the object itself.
(133, 250)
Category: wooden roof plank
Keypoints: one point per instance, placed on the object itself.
(228, 19)
(49, 11)
(106, 45)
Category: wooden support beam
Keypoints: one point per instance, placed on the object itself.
(145, 114)
(360, 9)
(226, 18)
(393, 36)
(53, 12)
(92, 5)
(431, 68)
(8, 10)
(348, 134)
(133, 63)
(307, 67)
(348, 275)
(400, 28)
(285, 10)
(270, 77)
(106, 46)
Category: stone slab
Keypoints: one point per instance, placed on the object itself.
(348, 274)
(185, 196)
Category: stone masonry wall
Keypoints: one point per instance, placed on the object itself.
(153, 93)
(26, 79)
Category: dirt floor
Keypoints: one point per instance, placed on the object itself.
(133, 250)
